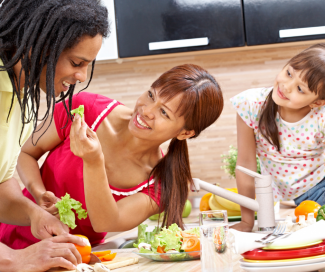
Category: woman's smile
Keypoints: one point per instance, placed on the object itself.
(66, 85)
(140, 122)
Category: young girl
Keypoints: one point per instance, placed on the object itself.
(111, 160)
(284, 125)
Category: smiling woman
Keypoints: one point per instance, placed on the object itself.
(45, 45)
(59, 39)
(115, 165)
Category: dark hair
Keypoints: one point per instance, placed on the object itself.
(36, 32)
(202, 104)
(311, 63)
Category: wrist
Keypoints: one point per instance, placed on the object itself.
(37, 193)
(97, 162)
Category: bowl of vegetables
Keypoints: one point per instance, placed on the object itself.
(170, 244)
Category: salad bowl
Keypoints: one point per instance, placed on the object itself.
(171, 257)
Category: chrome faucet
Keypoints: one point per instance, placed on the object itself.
(264, 203)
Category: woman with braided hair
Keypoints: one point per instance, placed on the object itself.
(45, 45)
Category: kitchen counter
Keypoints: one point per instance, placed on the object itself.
(146, 265)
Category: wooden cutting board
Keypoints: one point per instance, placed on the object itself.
(116, 263)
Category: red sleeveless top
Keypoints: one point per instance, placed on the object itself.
(62, 172)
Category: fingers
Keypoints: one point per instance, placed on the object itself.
(42, 234)
(61, 262)
(52, 210)
(67, 251)
(74, 131)
(51, 197)
(68, 238)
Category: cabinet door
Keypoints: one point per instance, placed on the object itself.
(108, 50)
(274, 21)
(148, 27)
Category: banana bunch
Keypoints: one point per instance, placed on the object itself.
(220, 203)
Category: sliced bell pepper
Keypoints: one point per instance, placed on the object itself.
(101, 253)
(107, 257)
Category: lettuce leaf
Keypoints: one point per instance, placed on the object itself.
(145, 237)
(80, 110)
(170, 238)
(65, 207)
(143, 250)
(195, 231)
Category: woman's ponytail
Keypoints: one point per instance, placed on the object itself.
(201, 105)
(174, 175)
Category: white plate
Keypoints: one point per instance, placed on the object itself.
(289, 268)
(298, 261)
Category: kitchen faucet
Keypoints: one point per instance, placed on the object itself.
(264, 203)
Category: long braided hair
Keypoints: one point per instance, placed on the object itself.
(36, 32)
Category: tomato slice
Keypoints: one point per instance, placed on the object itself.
(191, 244)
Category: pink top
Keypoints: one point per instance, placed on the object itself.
(62, 172)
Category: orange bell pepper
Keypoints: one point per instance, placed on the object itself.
(306, 207)
(101, 253)
(107, 257)
(161, 249)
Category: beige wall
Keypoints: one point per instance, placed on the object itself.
(235, 69)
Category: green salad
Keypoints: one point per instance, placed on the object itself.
(168, 240)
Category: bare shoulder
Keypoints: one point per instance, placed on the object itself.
(119, 117)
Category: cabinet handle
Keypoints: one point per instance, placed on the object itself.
(178, 43)
(298, 32)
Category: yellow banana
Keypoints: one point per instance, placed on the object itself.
(229, 205)
(214, 205)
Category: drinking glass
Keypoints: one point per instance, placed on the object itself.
(216, 242)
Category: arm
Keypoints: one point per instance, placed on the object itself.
(28, 168)
(43, 224)
(106, 215)
(51, 252)
(245, 184)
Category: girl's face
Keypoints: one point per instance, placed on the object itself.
(290, 91)
(73, 63)
(156, 120)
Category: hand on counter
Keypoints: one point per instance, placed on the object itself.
(242, 226)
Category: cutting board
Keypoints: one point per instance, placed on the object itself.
(116, 263)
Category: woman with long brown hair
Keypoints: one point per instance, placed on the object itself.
(284, 126)
(111, 161)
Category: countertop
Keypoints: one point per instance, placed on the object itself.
(147, 265)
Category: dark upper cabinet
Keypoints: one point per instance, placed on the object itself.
(298, 20)
(209, 24)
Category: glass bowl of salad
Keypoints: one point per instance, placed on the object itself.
(170, 244)
(171, 257)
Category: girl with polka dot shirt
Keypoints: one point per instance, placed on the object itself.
(284, 125)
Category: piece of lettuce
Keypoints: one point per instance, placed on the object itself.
(80, 110)
(143, 250)
(145, 236)
(195, 231)
(169, 238)
(67, 216)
